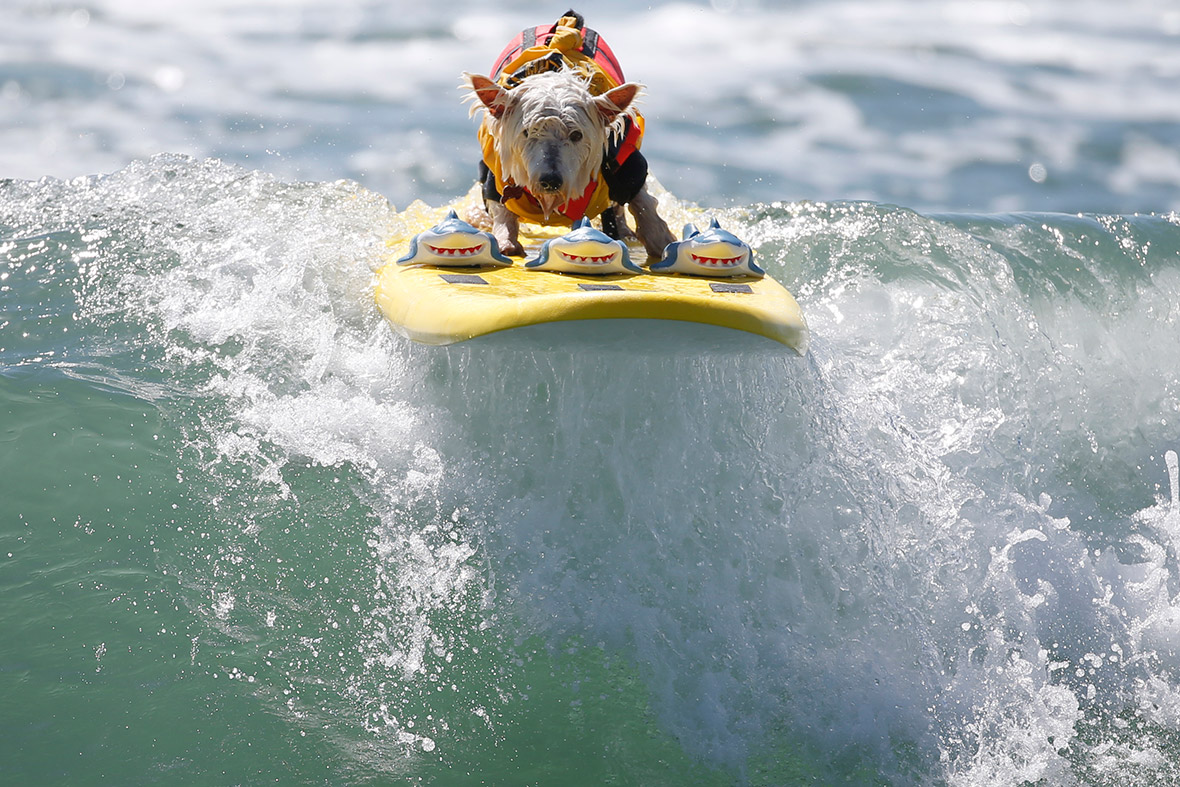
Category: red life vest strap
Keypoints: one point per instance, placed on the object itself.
(621, 149)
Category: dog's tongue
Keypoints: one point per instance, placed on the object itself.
(550, 202)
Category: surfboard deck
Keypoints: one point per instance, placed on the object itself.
(444, 305)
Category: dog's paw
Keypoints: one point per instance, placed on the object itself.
(656, 243)
(512, 248)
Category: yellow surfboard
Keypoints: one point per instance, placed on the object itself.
(444, 305)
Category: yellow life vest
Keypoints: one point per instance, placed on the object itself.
(548, 48)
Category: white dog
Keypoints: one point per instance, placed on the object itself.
(560, 138)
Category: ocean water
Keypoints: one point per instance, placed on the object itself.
(250, 535)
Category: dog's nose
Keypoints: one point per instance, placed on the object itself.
(550, 181)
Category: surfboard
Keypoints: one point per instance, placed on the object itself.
(441, 305)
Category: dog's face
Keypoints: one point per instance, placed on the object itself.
(549, 132)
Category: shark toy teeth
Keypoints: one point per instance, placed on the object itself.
(713, 252)
(454, 243)
(584, 250)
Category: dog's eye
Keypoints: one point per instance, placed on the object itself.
(525, 133)
(575, 136)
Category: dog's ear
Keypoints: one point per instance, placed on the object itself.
(612, 102)
(491, 95)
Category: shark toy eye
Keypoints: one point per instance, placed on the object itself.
(575, 136)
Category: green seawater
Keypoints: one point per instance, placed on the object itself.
(166, 624)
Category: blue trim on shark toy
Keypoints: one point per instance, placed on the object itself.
(454, 243)
(584, 250)
(713, 252)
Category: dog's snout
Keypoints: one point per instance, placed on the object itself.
(550, 181)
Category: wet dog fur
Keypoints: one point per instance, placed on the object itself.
(550, 135)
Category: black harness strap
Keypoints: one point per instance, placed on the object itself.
(589, 42)
(551, 62)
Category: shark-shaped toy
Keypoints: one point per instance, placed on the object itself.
(454, 243)
(713, 252)
(584, 250)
